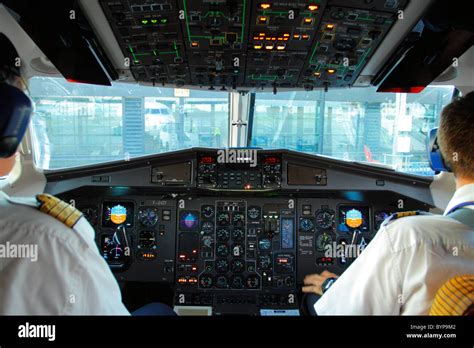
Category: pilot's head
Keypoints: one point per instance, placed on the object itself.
(14, 105)
(456, 136)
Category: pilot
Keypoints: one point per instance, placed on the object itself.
(49, 262)
(411, 257)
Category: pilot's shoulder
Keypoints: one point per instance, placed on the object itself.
(406, 229)
(405, 216)
(41, 210)
(58, 209)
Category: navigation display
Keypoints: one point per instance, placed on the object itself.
(353, 218)
(117, 213)
(287, 234)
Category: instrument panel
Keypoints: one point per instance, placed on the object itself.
(236, 234)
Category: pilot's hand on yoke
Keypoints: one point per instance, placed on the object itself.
(313, 283)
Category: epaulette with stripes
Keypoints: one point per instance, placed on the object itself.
(403, 214)
(58, 209)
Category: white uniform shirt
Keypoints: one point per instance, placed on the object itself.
(69, 276)
(405, 264)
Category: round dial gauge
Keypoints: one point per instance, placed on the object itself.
(207, 211)
(264, 244)
(222, 265)
(253, 282)
(223, 234)
(223, 218)
(222, 282)
(237, 282)
(238, 266)
(238, 219)
(253, 213)
(264, 262)
(222, 250)
(306, 225)
(324, 219)
(206, 281)
(148, 216)
(322, 240)
(207, 226)
(238, 235)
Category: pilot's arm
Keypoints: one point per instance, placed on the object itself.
(369, 286)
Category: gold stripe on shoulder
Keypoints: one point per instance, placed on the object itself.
(58, 209)
(402, 214)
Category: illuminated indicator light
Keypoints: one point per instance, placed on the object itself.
(262, 34)
(163, 21)
(194, 268)
(154, 21)
(305, 37)
(286, 35)
(273, 38)
(317, 74)
(280, 47)
(331, 71)
(194, 44)
(193, 280)
(285, 39)
(280, 39)
(182, 257)
(182, 280)
(144, 21)
(265, 6)
(256, 38)
(195, 251)
(308, 20)
(248, 186)
(330, 26)
(269, 47)
(313, 7)
(258, 46)
(296, 37)
(262, 19)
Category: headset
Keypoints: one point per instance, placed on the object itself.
(436, 159)
(15, 114)
(15, 106)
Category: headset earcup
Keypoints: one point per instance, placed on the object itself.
(15, 113)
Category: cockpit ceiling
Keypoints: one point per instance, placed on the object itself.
(229, 44)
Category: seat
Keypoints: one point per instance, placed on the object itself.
(455, 297)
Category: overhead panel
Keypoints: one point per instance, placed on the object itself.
(245, 44)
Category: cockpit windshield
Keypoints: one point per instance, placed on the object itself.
(79, 124)
(355, 124)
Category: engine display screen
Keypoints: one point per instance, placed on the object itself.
(287, 233)
(117, 213)
(353, 218)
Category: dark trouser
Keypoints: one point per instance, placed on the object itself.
(154, 309)
(311, 300)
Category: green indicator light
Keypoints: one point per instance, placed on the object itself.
(144, 21)
(163, 21)
(154, 21)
